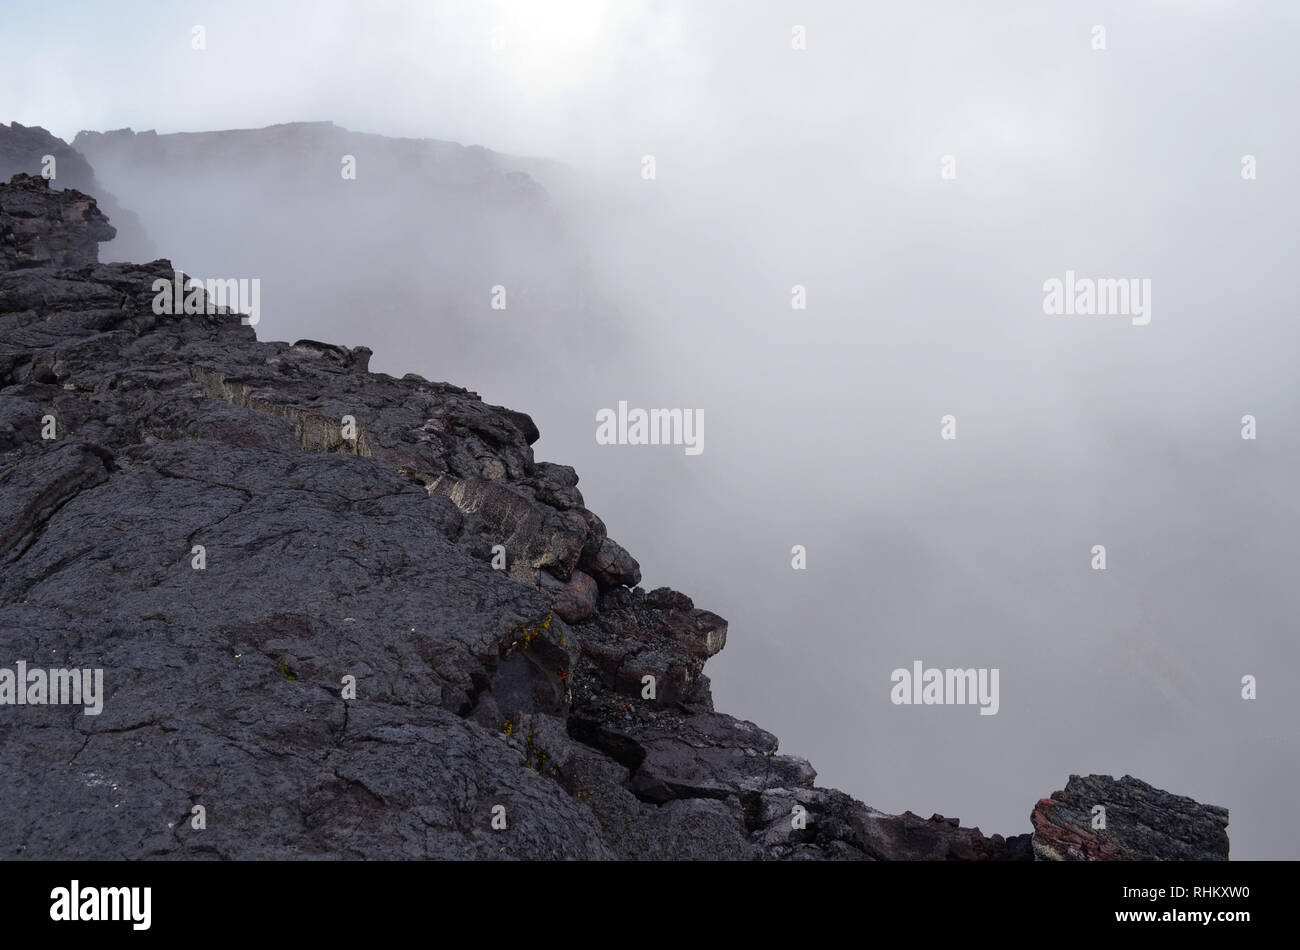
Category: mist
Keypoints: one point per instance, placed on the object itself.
(920, 171)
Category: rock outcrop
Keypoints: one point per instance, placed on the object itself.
(1100, 819)
(42, 227)
(340, 614)
(36, 152)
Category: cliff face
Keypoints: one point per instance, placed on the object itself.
(26, 148)
(342, 614)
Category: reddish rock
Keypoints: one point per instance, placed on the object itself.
(1141, 823)
(575, 600)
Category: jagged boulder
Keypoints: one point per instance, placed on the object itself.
(661, 635)
(1099, 818)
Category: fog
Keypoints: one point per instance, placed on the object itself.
(824, 168)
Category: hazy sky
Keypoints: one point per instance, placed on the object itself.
(822, 167)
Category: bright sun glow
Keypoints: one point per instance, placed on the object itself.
(549, 41)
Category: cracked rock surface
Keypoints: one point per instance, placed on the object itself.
(290, 571)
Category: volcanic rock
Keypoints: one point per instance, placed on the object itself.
(289, 571)
(1141, 823)
(28, 148)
